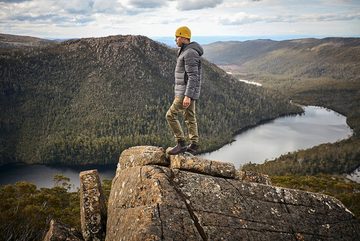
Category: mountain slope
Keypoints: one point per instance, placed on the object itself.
(334, 58)
(9, 41)
(84, 101)
(311, 71)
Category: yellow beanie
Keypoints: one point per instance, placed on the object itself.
(183, 32)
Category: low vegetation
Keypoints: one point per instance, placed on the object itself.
(338, 158)
(346, 191)
(25, 211)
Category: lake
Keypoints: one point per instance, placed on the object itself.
(267, 141)
(286, 134)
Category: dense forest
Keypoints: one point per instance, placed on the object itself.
(84, 101)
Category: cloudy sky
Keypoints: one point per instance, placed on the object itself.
(94, 18)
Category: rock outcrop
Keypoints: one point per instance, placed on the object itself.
(183, 197)
(92, 206)
(189, 198)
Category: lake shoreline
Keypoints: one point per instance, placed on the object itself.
(249, 127)
(265, 121)
(263, 136)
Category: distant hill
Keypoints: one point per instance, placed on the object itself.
(8, 40)
(334, 58)
(84, 101)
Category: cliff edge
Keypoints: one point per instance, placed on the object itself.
(155, 197)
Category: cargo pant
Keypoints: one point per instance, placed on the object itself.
(190, 120)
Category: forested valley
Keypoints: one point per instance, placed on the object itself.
(85, 101)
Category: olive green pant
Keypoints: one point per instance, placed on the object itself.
(189, 116)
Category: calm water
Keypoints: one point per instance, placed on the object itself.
(316, 126)
(42, 175)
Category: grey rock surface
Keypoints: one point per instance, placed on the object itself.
(249, 176)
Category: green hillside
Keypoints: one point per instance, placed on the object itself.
(310, 71)
(323, 72)
(84, 101)
(330, 58)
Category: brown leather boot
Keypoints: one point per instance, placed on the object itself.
(179, 148)
(193, 148)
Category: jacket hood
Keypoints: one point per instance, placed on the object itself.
(195, 46)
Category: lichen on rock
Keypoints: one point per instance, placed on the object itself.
(188, 200)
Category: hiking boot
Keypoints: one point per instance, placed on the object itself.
(179, 148)
(193, 148)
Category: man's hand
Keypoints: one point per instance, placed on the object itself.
(186, 102)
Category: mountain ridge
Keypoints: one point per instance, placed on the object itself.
(298, 58)
(83, 101)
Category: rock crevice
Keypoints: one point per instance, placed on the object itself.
(189, 208)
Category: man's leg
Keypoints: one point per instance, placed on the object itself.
(191, 123)
(174, 124)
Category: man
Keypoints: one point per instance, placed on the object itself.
(187, 91)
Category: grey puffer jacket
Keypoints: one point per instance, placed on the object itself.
(188, 73)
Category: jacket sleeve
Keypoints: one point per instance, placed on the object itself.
(192, 61)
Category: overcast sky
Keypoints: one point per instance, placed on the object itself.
(94, 18)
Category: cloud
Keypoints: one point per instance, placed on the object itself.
(240, 19)
(337, 17)
(197, 4)
(147, 4)
(13, 1)
(245, 18)
(106, 6)
(59, 13)
(78, 6)
(54, 18)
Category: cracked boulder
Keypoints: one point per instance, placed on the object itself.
(154, 202)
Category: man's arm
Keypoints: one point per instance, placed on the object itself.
(192, 61)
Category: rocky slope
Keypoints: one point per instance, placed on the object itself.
(154, 197)
(84, 101)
